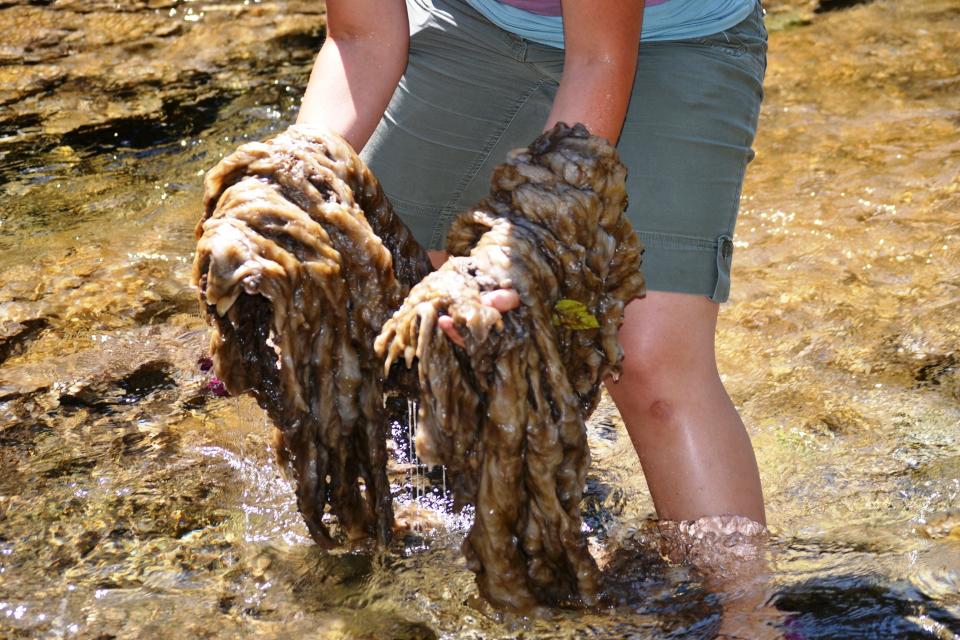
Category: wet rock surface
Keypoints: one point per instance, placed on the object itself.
(87, 87)
(140, 73)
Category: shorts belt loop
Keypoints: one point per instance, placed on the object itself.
(520, 50)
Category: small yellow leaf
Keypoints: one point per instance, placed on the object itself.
(571, 314)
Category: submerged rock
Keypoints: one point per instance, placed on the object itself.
(14, 336)
(120, 368)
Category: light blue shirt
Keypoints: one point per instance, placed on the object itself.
(670, 20)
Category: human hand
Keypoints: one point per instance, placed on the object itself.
(500, 299)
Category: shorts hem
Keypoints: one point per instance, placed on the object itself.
(688, 264)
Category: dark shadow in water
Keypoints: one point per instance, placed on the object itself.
(859, 607)
(939, 368)
(637, 580)
(300, 46)
(13, 126)
(157, 134)
(15, 338)
(105, 397)
(178, 120)
(146, 379)
(833, 5)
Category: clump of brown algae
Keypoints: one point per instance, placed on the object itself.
(506, 414)
(297, 283)
(300, 263)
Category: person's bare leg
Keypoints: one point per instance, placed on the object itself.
(693, 447)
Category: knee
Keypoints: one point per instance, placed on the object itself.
(666, 364)
(656, 381)
(652, 408)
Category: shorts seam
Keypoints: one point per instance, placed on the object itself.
(675, 242)
(409, 206)
(735, 204)
(448, 211)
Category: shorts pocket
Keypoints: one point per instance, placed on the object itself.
(725, 41)
(747, 37)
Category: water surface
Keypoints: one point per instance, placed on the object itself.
(135, 502)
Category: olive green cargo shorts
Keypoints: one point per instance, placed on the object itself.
(472, 91)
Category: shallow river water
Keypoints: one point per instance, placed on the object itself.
(136, 502)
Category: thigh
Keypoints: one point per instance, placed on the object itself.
(465, 99)
(686, 143)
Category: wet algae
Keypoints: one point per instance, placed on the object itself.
(300, 261)
(506, 414)
(132, 512)
(293, 273)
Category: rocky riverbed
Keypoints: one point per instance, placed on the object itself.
(136, 502)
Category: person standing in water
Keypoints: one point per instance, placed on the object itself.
(436, 92)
